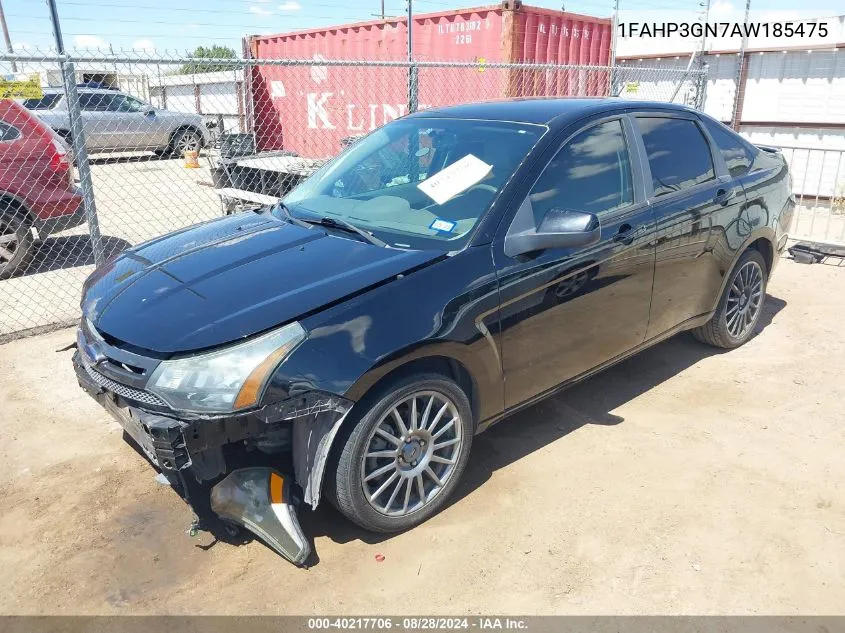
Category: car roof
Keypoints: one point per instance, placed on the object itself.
(543, 110)
(59, 90)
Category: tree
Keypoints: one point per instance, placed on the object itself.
(212, 52)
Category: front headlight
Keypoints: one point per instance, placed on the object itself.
(227, 379)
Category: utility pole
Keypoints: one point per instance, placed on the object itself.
(412, 69)
(9, 40)
(706, 6)
(741, 73)
(615, 26)
(701, 65)
(382, 9)
(77, 134)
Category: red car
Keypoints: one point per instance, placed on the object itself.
(37, 192)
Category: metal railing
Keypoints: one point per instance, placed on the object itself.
(818, 179)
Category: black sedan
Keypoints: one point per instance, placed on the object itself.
(444, 271)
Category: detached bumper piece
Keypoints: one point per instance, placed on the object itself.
(260, 500)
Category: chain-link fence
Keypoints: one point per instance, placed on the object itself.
(99, 152)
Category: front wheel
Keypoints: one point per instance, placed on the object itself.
(404, 457)
(739, 308)
(185, 141)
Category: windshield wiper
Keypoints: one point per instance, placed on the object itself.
(343, 225)
(286, 212)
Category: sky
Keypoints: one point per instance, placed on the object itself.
(182, 25)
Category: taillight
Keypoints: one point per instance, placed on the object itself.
(59, 161)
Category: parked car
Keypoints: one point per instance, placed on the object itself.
(452, 267)
(114, 121)
(37, 192)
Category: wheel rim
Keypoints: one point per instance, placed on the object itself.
(188, 143)
(8, 244)
(411, 453)
(744, 299)
(570, 286)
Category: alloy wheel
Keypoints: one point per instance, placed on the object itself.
(411, 453)
(188, 142)
(744, 299)
(8, 244)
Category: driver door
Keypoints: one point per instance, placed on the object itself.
(136, 125)
(567, 311)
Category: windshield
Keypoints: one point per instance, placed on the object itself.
(418, 183)
(46, 102)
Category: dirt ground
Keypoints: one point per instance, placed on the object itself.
(680, 482)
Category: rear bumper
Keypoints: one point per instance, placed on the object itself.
(64, 212)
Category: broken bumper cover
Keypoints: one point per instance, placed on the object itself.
(211, 446)
(260, 499)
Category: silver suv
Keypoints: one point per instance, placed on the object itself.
(114, 121)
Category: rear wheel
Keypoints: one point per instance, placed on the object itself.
(188, 140)
(404, 457)
(16, 243)
(740, 306)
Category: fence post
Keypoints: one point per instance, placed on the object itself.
(413, 94)
(77, 135)
(412, 68)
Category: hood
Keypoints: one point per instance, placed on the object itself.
(230, 278)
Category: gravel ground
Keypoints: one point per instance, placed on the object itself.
(683, 481)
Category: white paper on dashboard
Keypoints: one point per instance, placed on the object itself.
(457, 177)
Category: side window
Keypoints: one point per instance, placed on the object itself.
(123, 103)
(592, 173)
(131, 104)
(678, 154)
(8, 132)
(116, 104)
(95, 101)
(736, 153)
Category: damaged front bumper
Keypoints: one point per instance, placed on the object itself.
(247, 447)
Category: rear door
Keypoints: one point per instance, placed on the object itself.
(693, 198)
(566, 311)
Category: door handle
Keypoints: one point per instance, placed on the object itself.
(626, 234)
(723, 196)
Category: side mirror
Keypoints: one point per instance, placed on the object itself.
(148, 109)
(560, 228)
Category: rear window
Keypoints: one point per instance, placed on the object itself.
(738, 156)
(46, 102)
(8, 132)
(678, 154)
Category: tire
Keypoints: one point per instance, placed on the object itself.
(183, 140)
(749, 278)
(349, 470)
(16, 243)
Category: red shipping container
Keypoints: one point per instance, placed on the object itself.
(310, 109)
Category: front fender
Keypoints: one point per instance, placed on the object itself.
(448, 309)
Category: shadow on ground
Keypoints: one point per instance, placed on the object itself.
(56, 253)
(519, 435)
(134, 157)
(590, 402)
